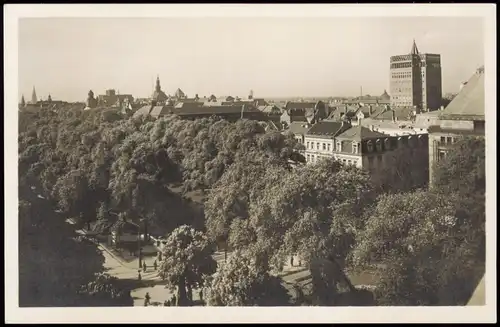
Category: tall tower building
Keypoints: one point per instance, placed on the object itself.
(34, 99)
(416, 80)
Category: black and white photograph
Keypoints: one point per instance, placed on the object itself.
(277, 156)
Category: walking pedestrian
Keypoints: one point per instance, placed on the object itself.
(139, 277)
(147, 298)
(155, 265)
(291, 261)
(144, 266)
(201, 294)
(174, 300)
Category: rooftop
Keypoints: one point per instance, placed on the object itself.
(325, 128)
(469, 101)
(298, 127)
(359, 133)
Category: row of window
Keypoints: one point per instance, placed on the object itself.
(446, 140)
(401, 75)
(315, 158)
(401, 65)
(356, 147)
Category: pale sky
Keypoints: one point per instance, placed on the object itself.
(274, 57)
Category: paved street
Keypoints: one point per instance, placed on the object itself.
(153, 284)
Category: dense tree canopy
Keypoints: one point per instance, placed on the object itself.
(187, 262)
(240, 282)
(423, 243)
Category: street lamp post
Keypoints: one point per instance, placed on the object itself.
(139, 241)
(138, 238)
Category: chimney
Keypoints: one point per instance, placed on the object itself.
(393, 116)
(372, 128)
(370, 111)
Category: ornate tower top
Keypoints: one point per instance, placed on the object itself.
(49, 99)
(414, 49)
(23, 103)
(33, 96)
(158, 86)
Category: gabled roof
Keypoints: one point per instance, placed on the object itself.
(401, 113)
(183, 104)
(298, 128)
(325, 128)
(469, 102)
(359, 133)
(122, 226)
(214, 110)
(145, 110)
(158, 111)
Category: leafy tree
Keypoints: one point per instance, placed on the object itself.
(107, 291)
(240, 282)
(425, 255)
(54, 262)
(407, 169)
(187, 261)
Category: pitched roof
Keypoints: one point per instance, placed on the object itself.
(326, 128)
(414, 49)
(184, 104)
(402, 113)
(145, 110)
(359, 133)
(269, 109)
(158, 111)
(470, 100)
(298, 128)
(124, 227)
(214, 110)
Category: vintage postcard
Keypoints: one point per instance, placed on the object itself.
(250, 163)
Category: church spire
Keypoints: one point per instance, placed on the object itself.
(414, 49)
(158, 87)
(33, 96)
(23, 103)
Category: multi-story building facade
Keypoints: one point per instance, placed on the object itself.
(464, 116)
(415, 80)
(364, 148)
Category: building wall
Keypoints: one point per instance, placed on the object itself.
(416, 81)
(402, 83)
(378, 156)
(317, 147)
(431, 81)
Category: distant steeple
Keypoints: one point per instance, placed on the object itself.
(414, 49)
(23, 103)
(33, 96)
(49, 99)
(158, 87)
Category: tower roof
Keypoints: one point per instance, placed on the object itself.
(414, 49)
(33, 96)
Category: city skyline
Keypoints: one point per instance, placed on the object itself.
(274, 57)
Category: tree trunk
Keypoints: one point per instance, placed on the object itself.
(181, 293)
(190, 293)
(342, 274)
